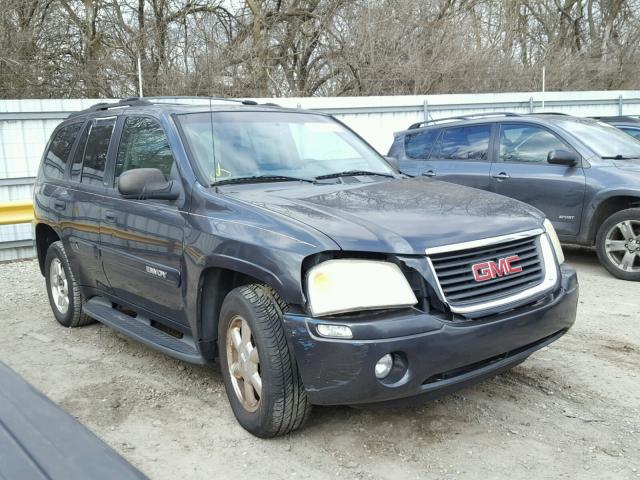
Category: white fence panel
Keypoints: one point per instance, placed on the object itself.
(25, 126)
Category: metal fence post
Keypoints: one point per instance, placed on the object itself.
(620, 102)
(425, 107)
(530, 104)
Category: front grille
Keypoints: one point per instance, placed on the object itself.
(455, 271)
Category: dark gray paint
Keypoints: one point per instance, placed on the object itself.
(269, 232)
(39, 440)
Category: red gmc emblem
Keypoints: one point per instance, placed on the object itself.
(489, 270)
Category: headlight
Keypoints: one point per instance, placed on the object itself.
(555, 241)
(338, 286)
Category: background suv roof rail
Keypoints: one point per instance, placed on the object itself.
(618, 118)
(463, 117)
(550, 113)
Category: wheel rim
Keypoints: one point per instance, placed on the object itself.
(622, 245)
(59, 286)
(244, 364)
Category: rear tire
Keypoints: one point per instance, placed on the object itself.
(252, 345)
(64, 293)
(618, 244)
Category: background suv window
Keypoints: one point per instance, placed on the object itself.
(143, 145)
(465, 143)
(56, 159)
(95, 152)
(634, 132)
(419, 145)
(527, 143)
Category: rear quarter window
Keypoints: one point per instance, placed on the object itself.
(55, 161)
(419, 145)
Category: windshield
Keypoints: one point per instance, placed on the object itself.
(602, 138)
(271, 144)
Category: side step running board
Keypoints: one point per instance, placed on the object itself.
(140, 329)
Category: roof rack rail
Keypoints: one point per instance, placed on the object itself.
(126, 102)
(203, 97)
(463, 117)
(550, 113)
(146, 101)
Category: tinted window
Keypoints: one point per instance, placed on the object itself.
(143, 145)
(95, 153)
(58, 153)
(465, 143)
(527, 143)
(634, 132)
(419, 145)
(396, 148)
(76, 166)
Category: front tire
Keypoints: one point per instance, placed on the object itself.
(618, 244)
(260, 372)
(64, 293)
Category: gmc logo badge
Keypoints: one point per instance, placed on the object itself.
(489, 270)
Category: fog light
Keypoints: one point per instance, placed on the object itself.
(336, 331)
(383, 367)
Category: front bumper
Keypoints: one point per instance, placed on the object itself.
(441, 356)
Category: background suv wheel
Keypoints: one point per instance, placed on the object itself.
(618, 244)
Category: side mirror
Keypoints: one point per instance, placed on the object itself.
(563, 157)
(394, 162)
(146, 184)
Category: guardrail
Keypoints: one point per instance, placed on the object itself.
(12, 213)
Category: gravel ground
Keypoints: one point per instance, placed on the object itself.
(571, 411)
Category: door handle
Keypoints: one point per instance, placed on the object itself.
(59, 204)
(429, 173)
(502, 176)
(110, 217)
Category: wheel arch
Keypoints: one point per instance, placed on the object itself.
(45, 236)
(607, 207)
(216, 282)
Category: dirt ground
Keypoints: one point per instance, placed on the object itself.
(571, 411)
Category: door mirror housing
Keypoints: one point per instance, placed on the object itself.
(563, 157)
(147, 184)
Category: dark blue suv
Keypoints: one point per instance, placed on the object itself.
(584, 175)
(280, 243)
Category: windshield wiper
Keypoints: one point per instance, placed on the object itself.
(262, 178)
(620, 157)
(353, 173)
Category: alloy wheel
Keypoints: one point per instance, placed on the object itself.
(59, 286)
(622, 245)
(244, 364)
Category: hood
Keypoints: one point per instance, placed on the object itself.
(631, 164)
(402, 216)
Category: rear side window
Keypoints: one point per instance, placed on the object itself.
(419, 145)
(143, 145)
(527, 143)
(95, 152)
(57, 156)
(465, 143)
